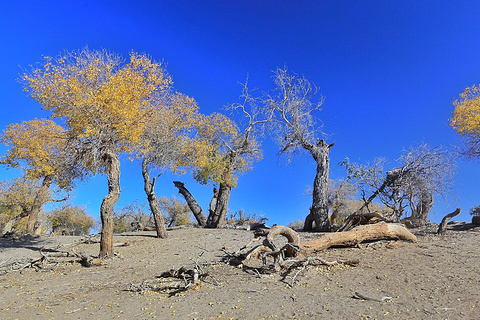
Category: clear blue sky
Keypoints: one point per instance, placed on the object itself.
(388, 70)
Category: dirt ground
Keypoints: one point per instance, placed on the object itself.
(436, 278)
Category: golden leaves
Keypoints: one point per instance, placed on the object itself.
(99, 99)
(37, 143)
(466, 116)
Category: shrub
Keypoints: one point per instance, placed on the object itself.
(70, 220)
(132, 217)
(240, 217)
(297, 225)
(475, 211)
(177, 212)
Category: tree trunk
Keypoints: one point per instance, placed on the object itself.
(37, 204)
(213, 202)
(106, 209)
(442, 228)
(425, 203)
(149, 187)
(192, 203)
(319, 208)
(217, 219)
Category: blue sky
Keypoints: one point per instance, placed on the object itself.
(388, 71)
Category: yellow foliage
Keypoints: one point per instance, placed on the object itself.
(466, 116)
(211, 151)
(36, 146)
(102, 100)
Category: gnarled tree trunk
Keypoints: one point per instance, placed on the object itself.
(420, 215)
(319, 208)
(357, 235)
(149, 187)
(192, 203)
(217, 219)
(106, 209)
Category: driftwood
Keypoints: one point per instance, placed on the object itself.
(356, 236)
(443, 225)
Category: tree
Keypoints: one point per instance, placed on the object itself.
(105, 104)
(38, 148)
(162, 145)
(16, 199)
(70, 220)
(466, 120)
(297, 130)
(221, 152)
(422, 173)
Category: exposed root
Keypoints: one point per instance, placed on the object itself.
(294, 247)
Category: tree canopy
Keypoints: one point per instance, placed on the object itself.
(466, 119)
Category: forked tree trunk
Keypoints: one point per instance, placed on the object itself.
(33, 211)
(192, 203)
(149, 187)
(319, 209)
(37, 204)
(106, 209)
(217, 219)
(218, 206)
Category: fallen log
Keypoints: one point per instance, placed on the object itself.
(357, 235)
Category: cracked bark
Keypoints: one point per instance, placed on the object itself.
(106, 209)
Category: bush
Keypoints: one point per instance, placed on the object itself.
(475, 211)
(70, 220)
(177, 212)
(240, 217)
(297, 225)
(132, 217)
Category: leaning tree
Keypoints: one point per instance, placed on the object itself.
(104, 103)
(297, 129)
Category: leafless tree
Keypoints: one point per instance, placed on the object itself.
(422, 173)
(298, 130)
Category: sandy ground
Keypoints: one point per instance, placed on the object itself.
(436, 278)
